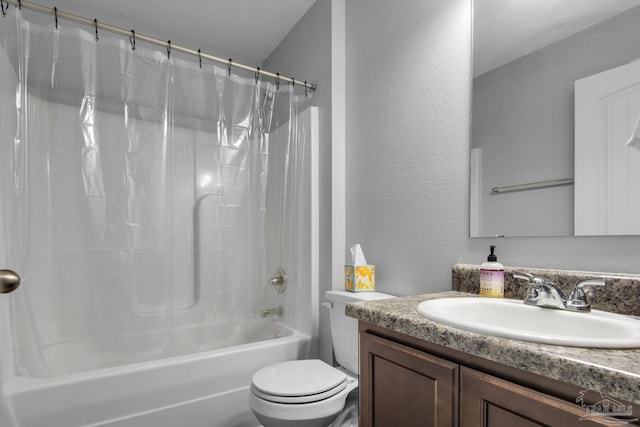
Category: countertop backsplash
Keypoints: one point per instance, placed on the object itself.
(621, 293)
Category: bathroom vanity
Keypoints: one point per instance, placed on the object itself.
(414, 371)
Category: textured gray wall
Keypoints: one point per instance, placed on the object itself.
(408, 74)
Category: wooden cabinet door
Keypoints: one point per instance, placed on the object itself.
(488, 401)
(404, 387)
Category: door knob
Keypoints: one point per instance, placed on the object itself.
(9, 281)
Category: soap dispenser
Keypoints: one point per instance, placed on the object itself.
(492, 276)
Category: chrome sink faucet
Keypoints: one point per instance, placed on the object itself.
(543, 293)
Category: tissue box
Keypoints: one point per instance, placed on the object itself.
(360, 278)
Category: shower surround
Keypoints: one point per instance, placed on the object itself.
(146, 202)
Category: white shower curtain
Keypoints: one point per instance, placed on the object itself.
(137, 198)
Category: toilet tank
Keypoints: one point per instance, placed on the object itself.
(344, 329)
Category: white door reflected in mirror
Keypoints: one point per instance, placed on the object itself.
(607, 170)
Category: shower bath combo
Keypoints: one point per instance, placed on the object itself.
(159, 216)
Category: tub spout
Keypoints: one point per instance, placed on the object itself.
(275, 311)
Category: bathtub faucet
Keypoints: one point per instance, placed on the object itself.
(275, 311)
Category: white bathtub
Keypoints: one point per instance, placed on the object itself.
(207, 389)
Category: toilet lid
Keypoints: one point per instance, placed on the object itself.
(309, 398)
(297, 378)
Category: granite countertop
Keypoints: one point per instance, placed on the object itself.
(612, 372)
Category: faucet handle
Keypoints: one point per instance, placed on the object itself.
(584, 294)
(594, 281)
(522, 275)
(532, 291)
(534, 281)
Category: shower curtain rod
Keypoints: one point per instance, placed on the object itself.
(135, 36)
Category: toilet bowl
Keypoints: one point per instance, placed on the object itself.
(300, 392)
(311, 393)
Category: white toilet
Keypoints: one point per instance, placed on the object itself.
(311, 393)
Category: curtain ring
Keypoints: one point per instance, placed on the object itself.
(132, 39)
(229, 67)
(19, 4)
(95, 24)
(257, 74)
(306, 89)
(293, 82)
(200, 58)
(168, 49)
(277, 81)
(55, 15)
(4, 11)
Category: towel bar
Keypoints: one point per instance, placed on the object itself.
(533, 185)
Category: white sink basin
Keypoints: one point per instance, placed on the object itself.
(513, 319)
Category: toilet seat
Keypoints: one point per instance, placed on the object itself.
(310, 398)
(281, 382)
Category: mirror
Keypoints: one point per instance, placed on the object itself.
(527, 56)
